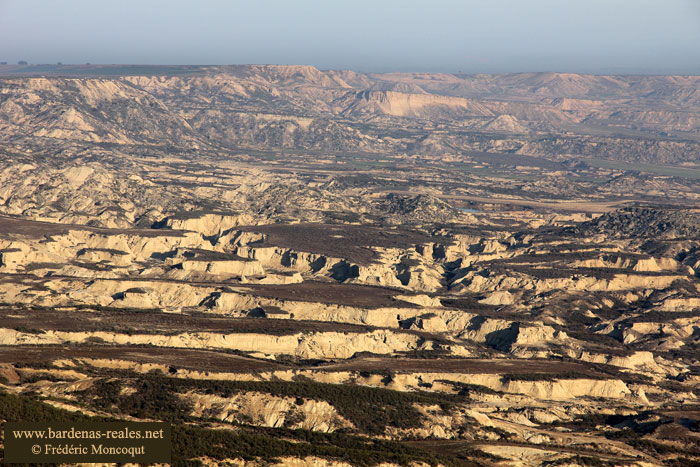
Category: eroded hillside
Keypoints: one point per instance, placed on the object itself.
(331, 268)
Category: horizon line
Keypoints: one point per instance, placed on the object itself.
(603, 72)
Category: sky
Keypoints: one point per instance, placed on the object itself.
(468, 36)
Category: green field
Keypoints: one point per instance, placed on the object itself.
(648, 168)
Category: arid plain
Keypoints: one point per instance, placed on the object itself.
(332, 268)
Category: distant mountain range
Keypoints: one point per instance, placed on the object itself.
(552, 115)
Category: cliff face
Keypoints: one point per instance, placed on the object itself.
(403, 104)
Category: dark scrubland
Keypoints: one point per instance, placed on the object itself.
(348, 241)
(250, 443)
(153, 322)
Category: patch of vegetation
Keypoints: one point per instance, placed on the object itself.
(424, 354)
(110, 251)
(198, 254)
(24, 408)
(467, 304)
(682, 462)
(151, 399)
(502, 434)
(36, 377)
(27, 330)
(654, 448)
(371, 410)
(267, 444)
(580, 460)
(35, 365)
(97, 340)
(465, 389)
(36, 266)
(345, 217)
(583, 422)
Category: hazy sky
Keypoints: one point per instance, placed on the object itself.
(598, 36)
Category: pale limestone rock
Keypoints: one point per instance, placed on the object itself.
(498, 298)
